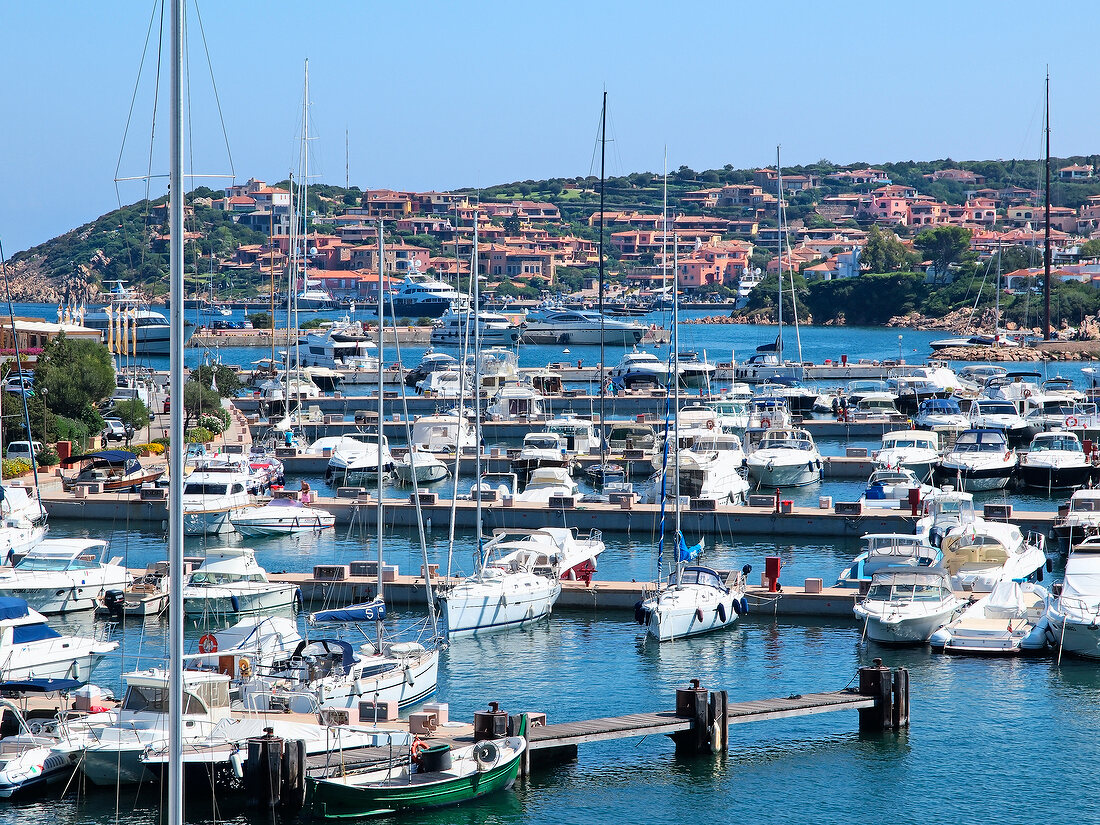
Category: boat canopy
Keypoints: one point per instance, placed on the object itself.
(12, 608)
(38, 686)
(113, 457)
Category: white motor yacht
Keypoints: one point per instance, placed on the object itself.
(230, 581)
(354, 464)
(546, 483)
(517, 402)
(1011, 620)
(31, 649)
(1081, 518)
(560, 551)
(570, 327)
(980, 460)
(639, 368)
(443, 434)
(940, 414)
(337, 350)
(888, 486)
(282, 516)
(915, 450)
(767, 412)
(906, 605)
(542, 450)
(210, 500)
(882, 550)
(64, 575)
(422, 296)
(1057, 461)
(712, 468)
(422, 467)
(23, 522)
(625, 436)
(997, 414)
(148, 329)
(944, 511)
(1073, 617)
(494, 329)
(695, 600)
(110, 756)
(979, 556)
(580, 436)
(785, 457)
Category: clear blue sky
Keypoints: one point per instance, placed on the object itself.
(438, 95)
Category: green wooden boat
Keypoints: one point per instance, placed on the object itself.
(440, 776)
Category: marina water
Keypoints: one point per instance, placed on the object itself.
(1004, 740)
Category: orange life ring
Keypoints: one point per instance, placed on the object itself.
(1008, 454)
(710, 423)
(1071, 421)
(765, 422)
(1027, 393)
(208, 644)
(418, 746)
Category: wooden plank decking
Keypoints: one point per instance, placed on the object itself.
(565, 734)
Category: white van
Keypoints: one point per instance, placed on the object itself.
(22, 449)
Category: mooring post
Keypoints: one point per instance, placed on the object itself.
(719, 721)
(525, 760)
(691, 703)
(901, 698)
(876, 682)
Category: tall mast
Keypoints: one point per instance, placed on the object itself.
(779, 245)
(175, 444)
(271, 261)
(603, 417)
(379, 514)
(676, 379)
(1046, 229)
(664, 229)
(477, 398)
(304, 204)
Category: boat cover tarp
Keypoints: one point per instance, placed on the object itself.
(12, 607)
(21, 634)
(110, 456)
(327, 645)
(39, 685)
(371, 611)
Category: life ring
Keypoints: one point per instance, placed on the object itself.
(208, 644)
(244, 668)
(1071, 421)
(417, 748)
(1027, 393)
(710, 423)
(765, 422)
(1008, 454)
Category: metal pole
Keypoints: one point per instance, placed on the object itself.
(676, 379)
(379, 513)
(477, 398)
(603, 417)
(1046, 230)
(175, 444)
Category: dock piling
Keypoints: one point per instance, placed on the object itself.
(890, 690)
(718, 716)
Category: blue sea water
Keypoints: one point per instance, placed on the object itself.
(1001, 740)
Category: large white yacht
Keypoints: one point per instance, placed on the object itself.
(210, 500)
(1056, 461)
(128, 317)
(493, 329)
(31, 649)
(980, 460)
(785, 457)
(229, 581)
(638, 368)
(915, 450)
(422, 296)
(906, 605)
(580, 326)
(442, 434)
(1072, 624)
(64, 575)
(24, 522)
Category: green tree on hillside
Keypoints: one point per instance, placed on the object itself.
(943, 245)
(885, 253)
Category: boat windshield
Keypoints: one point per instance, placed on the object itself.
(55, 564)
(697, 575)
(996, 408)
(1056, 442)
(148, 699)
(906, 591)
(215, 578)
(1082, 505)
(986, 441)
(198, 489)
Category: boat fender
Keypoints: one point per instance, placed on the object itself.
(699, 613)
(235, 604)
(486, 755)
(409, 678)
(736, 608)
(640, 613)
(236, 762)
(298, 601)
(1050, 565)
(721, 612)
(1039, 575)
(744, 606)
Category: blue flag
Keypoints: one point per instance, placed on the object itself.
(689, 553)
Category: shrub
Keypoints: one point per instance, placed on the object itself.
(163, 443)
(199, 435)
(47, 456)
(14, 467)
(152, 447)
(213, 423)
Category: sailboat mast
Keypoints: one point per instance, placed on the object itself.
(1046, 229)
(379, 514)
(676, 379)
(603, 154)
(664, 229)
(997, 304)
(779, 251)
(271, 261)
(303, 204)
(477, 398)
(175, 444)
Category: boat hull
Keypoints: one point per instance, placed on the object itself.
(1056, 478)
(914, 631)
(667, 622)
(469, 615)
(784, 475)
(334, 800)
(975, 481)
(222, 604)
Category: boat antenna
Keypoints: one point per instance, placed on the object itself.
(175, 444)
(602, 378)
(379, 513)
(1046, 229)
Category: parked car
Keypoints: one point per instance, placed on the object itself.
(22, 449)
(167, 404)
(21, 383)
(115, 430)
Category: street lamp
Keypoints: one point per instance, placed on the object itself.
(899, 350)
(45, 392)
